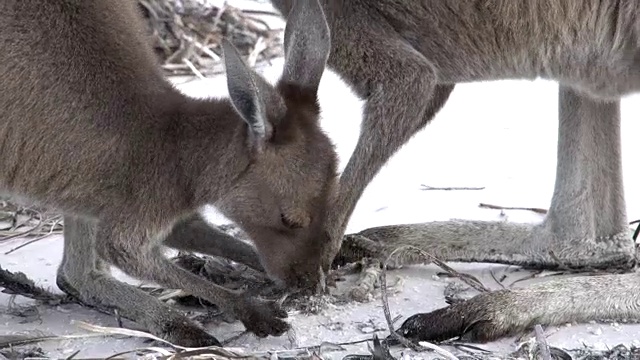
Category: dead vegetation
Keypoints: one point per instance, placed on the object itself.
(17, 221)
(186, 35)
(371, 280)
(369, 267)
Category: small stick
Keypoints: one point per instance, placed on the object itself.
(366, 282)
(495, 279)
(34, 240)
(202, 48)
(116, 314)
(260, 12)
(234, 338)
(24, 233)
(423, 345)
(498, 207)
(387, 313)
(448, 188)
(439, 350)
(533, 275)
(221, 11)
(466, 278)
(260, 46)
(541, 343)
(193, 68)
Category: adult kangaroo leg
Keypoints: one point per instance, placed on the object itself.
(195, 234)
(402, 96)
(585, 227)
(83, 275)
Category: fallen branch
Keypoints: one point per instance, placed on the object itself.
(541, 343)
(26, 222)
(438, 349)
(422, 346)
(9, 341)
(109, 331)
(427, 187)
(56, 220)
(387, 312)
(186, 35)
(466, 278)
(367, 281)
(498, 207)
(380, 350)
(215, 352)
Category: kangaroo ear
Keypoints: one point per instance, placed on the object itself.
(307, 43)
(246, 96)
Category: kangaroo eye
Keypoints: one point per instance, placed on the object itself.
(288, 223)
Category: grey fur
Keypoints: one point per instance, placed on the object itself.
(90, 126)
(244, 94)
(294, 58)
(404, 58)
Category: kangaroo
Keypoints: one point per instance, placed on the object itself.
(91, 127)
(403, 58)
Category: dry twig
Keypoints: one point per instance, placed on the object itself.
(466, 278)
(423, 345)
(25, 222)
(186, 35)
(57, 220)
(498, 207)
(366, 283)
(541, 343)
(449, 188)
(387, 312)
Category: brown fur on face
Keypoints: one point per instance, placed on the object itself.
(89, 125)
(288, 212)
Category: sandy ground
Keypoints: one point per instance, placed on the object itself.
(497, 135)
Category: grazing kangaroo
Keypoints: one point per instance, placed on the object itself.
(405, 57)
(90, 126)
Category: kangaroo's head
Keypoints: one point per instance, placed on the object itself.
(280, 200)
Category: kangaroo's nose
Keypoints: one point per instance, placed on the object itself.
(310, 282)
